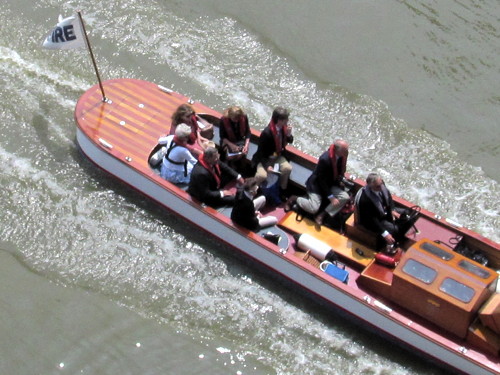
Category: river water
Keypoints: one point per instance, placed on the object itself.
(95, 279)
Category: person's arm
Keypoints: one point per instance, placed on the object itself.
(289, 134)
(246, 146)
(194, 151)
(224, 140)
(226, 169)
(204, 122)
(189, 157)
(369, 215)
(268, 147)
(230, 145)
(163, 140)
(202, 181)
(247, 134)
(324, 168)
(201, 141)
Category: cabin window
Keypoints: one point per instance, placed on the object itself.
(420, 271)
(437, 251)
(474, 269)
(458, 290)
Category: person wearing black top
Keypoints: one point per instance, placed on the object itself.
(325, 184)
(375, 210)
(271, 149)
(234, 133)
(208, 178)
(246, 209)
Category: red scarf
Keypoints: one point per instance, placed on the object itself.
(194, 130)
(229, 129)
(333, 159)
(280, 143)
(215, 170)
(176, 140)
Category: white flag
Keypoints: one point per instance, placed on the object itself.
(66, 35)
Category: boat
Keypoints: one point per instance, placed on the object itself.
(430, 296)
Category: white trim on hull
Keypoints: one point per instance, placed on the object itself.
(335, 293)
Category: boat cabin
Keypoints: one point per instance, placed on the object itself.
(436, 283)
(442, 286)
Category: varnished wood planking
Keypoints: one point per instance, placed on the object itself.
(127, 134)
(141, 125)
(136, 115)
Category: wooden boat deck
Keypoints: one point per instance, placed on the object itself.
(131, 120)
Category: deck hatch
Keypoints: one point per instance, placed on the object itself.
(472, 268)
(440, 253)
(457, 290)
(420, 271)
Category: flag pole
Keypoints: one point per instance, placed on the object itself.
(87, 42)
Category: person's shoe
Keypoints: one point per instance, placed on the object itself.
(290, 202)
(274, 238)
(319, 218)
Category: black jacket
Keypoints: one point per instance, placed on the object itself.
(322, 179)
(203, 185)
(267, 147)
(243, 212)
(370, 211)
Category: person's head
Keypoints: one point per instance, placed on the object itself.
(374, 181)
(182, 132)
(211, 155)
(182, 114)
(280, 116)
(341, 148)
(251, 185)
(234, 113)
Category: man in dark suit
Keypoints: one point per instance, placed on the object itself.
(325, 184)
(271, 148)
(374, 210)
(208, 178)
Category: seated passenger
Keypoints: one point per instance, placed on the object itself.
(234, 134)
(208, 178)
(246, 209)
(375, 210)
(186, 114)
(178, 161)
(272, 149)
(325, 184)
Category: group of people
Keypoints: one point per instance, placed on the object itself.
(192, 158)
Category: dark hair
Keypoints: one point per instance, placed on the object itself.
(180, 112)
(280, 113)
(372, 177)
(210, 152)
(249, 184)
